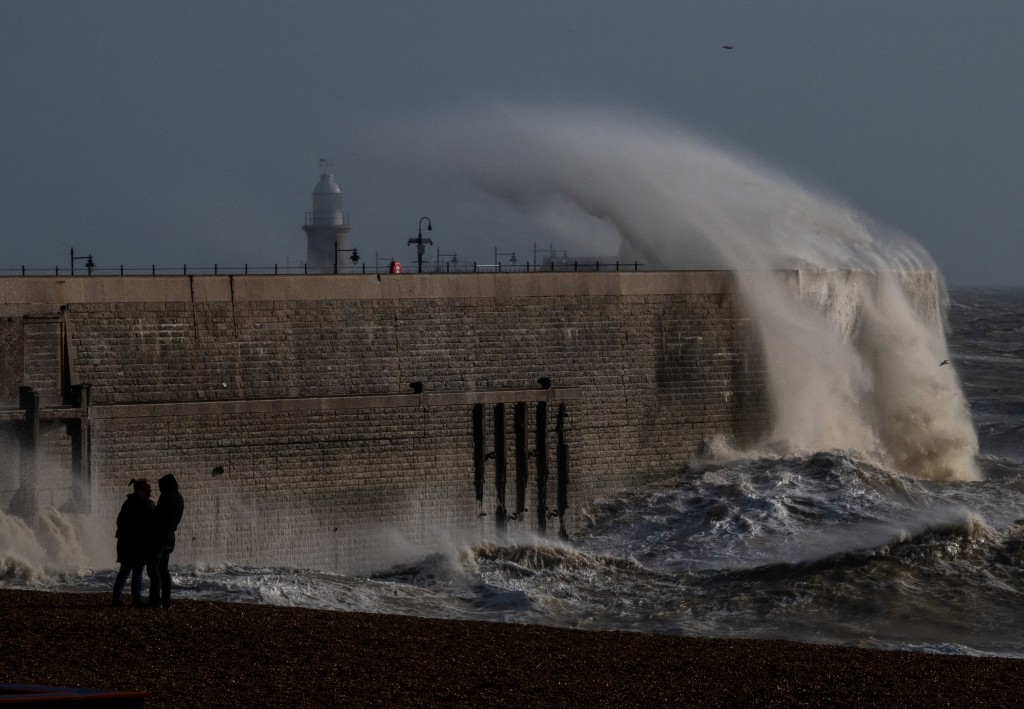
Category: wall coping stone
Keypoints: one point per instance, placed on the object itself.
(60, 290)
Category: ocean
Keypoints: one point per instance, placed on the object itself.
(819, 547)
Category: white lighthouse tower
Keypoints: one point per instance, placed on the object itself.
(326, 227)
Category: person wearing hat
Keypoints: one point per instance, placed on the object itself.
(169, 509)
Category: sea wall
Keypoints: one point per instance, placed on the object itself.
(345, 422)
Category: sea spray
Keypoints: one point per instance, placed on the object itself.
(854, 365)
(57, 543)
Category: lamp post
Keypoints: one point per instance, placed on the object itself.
(89, 265)
(507, 253)
(386, 261)
(451, 259)
(354, 257)
(551, 252)
(421, 243)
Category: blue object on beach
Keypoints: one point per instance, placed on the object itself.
(42, 696)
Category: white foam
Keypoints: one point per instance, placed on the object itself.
(853, 362)
(57, 543)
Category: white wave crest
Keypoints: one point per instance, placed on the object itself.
(853, 360)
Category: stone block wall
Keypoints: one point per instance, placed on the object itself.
(284, 405)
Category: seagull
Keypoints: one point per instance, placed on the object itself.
(726, 46)
(945, 361)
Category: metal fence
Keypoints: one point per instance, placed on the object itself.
(291, 269)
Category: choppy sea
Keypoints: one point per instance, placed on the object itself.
(821, 548)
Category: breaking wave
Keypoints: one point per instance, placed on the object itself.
(854, 362)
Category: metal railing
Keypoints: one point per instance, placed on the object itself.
(592, 266)
(326, 219)
(304, 269)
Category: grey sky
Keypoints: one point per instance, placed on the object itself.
(189, 132)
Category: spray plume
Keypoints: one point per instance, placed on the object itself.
(852, 336)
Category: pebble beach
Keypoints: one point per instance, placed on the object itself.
(209, 654)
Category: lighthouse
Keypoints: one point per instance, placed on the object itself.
(326, 228)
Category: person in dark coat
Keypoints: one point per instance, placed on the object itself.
(134, 525)
(169, 509)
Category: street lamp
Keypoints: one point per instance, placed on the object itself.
(421, 242)
(450, 259)
(89, 265)
(507, 253)
(354, 257)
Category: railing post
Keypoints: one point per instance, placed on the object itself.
(636, 265)
(154, 269)
(122, 269)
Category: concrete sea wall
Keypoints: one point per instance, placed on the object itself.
(342, 422)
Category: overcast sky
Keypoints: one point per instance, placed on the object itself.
(190, 132)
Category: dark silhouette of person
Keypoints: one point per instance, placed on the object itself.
(134, 525)
(166, 517)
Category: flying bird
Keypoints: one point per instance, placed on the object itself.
(945, 361)
(726, 46)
